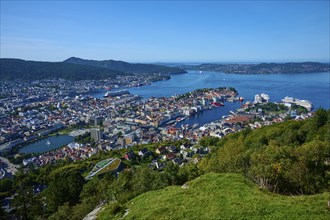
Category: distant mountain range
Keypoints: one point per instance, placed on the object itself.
(76, 69)
(80, 69)
(126, 67)
(262, 68)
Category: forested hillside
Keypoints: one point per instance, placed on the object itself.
(126, 67)
(76, 69)
(289, 158)
(34, 70)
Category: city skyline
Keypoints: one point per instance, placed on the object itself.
(185, 31)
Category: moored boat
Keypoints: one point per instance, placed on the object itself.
(217, 104)
(116, 93)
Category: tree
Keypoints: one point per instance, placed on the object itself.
(310, 172)
(270, 166)
(66, 187)
(3, 214)
(171, 172)
(209, 141)
(26, 203)
(188, 172)
(6, 187)
(321, 117)
(63, 213)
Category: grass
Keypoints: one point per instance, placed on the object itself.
(221, 196)
(111, 167)
(101, 164)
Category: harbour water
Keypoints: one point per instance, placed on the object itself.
(309, 86)
(314, 87)
(47, 144)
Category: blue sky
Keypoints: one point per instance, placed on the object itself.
(166, 31)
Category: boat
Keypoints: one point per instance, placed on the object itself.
(48, 143)
(172, 122)
(116, 93)
(304, 103)
(180, 119)
(217, 104)
(241, 99)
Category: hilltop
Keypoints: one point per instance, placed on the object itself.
(35, 70)
(76, 69)
(126, 67)
(220, 196)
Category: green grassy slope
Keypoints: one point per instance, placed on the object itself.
(221, 196)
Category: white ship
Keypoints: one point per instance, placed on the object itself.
(304, 103)
(48, 143)
(116, 93)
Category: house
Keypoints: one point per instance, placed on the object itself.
(159, 165)
(199, 149)
(144, 152)
(169, 156)
(177, 160)
(161, 150)
(187, 153)
(172, 149)
(130, 155)
(184, 146)
(172, 130)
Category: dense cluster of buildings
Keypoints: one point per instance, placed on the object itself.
(31, 109)
(72, 151)
(119, 122)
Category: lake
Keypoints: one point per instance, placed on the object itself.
(42, 146)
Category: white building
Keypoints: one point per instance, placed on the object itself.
(96, 134)
(261, 98)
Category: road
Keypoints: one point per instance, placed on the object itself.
(9, 167)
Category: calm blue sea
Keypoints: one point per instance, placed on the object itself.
(311, 86)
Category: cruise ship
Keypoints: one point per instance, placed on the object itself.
(116, 93)
(304, 103)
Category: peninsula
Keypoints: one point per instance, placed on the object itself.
(262, 68)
